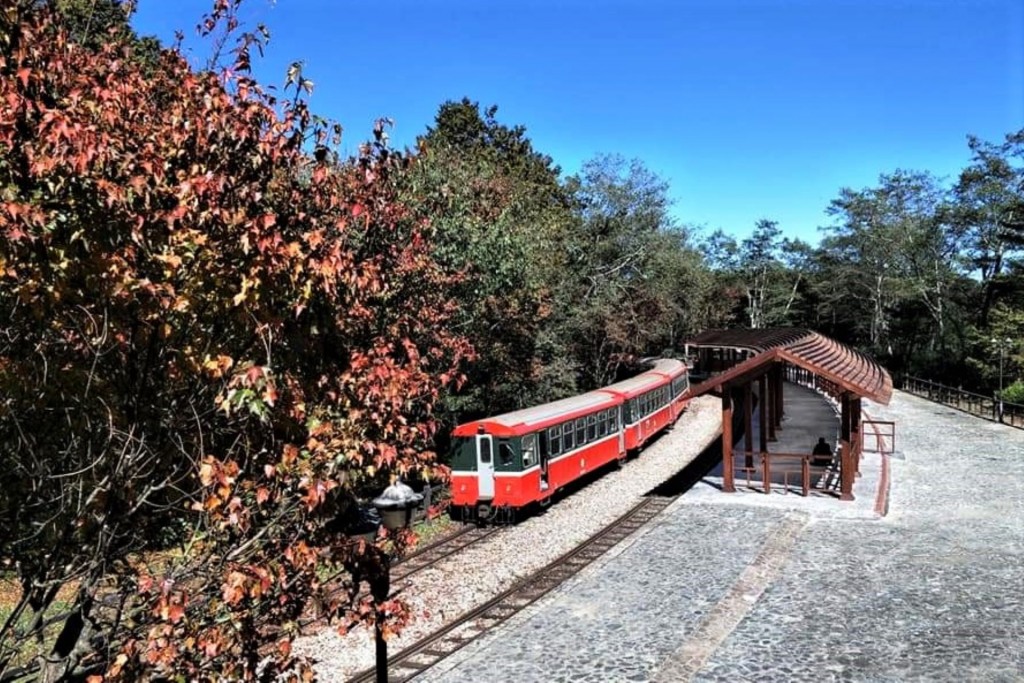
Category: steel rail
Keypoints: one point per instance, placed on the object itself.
(433, 553)
(472, 625)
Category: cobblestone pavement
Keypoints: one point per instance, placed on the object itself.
(729, 592)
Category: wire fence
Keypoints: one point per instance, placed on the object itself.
(988, 407)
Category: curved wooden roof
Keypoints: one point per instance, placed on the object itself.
(849, 368)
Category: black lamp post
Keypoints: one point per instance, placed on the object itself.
(395, 505)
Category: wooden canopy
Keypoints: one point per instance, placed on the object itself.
(853, 371)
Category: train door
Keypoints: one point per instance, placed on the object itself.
(641, 423)
(621, 426)
(545, 454)
(485, 466)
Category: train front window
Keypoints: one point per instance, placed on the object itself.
(505, 453)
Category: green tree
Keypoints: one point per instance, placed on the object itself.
(989, 208)
(497, 209)
(624, 291)
(93, 23)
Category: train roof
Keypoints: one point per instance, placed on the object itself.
(664, 368)
(538, 417)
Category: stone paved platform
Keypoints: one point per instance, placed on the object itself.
(719, 590)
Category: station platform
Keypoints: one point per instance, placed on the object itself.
(808, 416)
(728, 588)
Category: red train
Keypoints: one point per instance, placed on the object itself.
(503, 464)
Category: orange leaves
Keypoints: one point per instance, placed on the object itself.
(216, 367)
(234, 587)
(171, 611)
(310, 313)
(289, 455)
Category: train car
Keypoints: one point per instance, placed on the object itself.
(504, 464)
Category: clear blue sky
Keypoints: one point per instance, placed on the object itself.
(749, 108)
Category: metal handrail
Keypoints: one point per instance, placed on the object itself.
(988, 407)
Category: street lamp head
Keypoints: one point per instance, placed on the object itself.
(396, 505)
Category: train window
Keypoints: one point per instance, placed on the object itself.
(602, 423)
(613, 420)
(632, 413)
(555, 440)
(591, 428)
(567, 436)
(505, 453)
(529, 448)
(581, 429)
(485, 450)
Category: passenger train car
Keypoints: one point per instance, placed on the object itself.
(503, 464)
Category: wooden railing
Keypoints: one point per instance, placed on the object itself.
(806, 378)
(796, 474)
(979, 405)
(884, 434)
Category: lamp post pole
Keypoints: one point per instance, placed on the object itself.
(1002, 345)
(395, 506)
(381, 588)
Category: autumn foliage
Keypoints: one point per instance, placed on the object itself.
(215, 335)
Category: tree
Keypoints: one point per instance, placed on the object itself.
(91, 23)
(989, 208)
(206, 328)
(623, 293)
(496, 208)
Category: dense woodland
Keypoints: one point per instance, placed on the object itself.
(219, 334)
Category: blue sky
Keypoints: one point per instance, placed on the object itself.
(748, 108)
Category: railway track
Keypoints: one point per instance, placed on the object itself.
(452, 637)
(431, 554)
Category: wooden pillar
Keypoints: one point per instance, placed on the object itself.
(847, 465)
(748, 422)
(856, 438)
(771, 404)
(762, 412)
(728, 485)
(779, 398)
